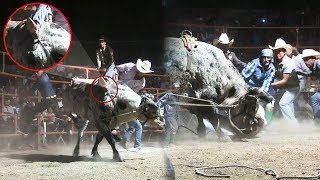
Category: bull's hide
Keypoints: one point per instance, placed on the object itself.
(51, 46)
(210, 76)
(77, 99)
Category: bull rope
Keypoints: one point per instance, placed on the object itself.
(213, 104)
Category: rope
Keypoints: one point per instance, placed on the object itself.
(270, 172)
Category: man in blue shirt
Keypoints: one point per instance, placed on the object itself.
(260, 71)
(170, 114)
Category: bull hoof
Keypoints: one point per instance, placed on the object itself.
(116, 138)
(224, 139)
(75, 153)
(238, 139)
(117, 158)
(96, 155)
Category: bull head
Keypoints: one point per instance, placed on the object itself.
(150, 112)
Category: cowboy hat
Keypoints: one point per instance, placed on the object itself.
(310, 53)
(280, 43)
(144, 66)
(224, 39)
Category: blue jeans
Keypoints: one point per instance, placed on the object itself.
(111, 71)
(315, 101)
(42, 14)
(286, 104)
(134, 126)
(170, 128)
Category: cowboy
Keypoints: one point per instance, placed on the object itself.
(286, 80)
(133, 75)
(105, 59)
(301, 103)
(170, 114)
(224, 44)
(311, 59)
(260, 73)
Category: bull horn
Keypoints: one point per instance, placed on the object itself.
(102, 82)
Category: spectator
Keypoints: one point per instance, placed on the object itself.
(105, 59)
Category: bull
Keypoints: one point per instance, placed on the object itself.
(205, 73)
(126, 106)
(50, 47)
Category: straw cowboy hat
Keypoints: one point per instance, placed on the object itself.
(144, 66)
(310, 53)
(223, 39)
(280, 43)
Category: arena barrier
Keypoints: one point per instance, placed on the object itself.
(87, 70)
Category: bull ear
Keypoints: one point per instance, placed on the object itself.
(102, 82)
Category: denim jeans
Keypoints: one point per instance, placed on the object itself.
(42, 14)
(315, 101)
(171, 127)
(134, 126)
(112, 71)
(286, 104)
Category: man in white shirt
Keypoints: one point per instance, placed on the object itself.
(133, 75)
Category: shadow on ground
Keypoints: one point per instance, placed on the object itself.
(55, 158)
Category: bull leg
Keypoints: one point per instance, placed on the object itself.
(201, 129)
(94, 151)
(80, 135)
(215, 121)
(103, 128)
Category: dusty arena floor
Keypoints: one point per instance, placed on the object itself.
(287, 151)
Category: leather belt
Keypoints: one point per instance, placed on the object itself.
(51, 97)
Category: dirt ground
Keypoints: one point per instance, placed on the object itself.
(287, 151)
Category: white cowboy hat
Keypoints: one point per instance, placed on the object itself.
(310, 52)
(280, 43)
(224, 39)
(144, 66)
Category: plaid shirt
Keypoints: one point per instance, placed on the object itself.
(256, 76)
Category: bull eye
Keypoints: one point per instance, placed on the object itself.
(121, 105)
(185, 94)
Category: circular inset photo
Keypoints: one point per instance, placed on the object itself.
(37, 36)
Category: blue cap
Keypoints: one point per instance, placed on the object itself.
(266, 53)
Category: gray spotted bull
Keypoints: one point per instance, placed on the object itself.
(51, 45)
(205, 73)
(126, 106)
